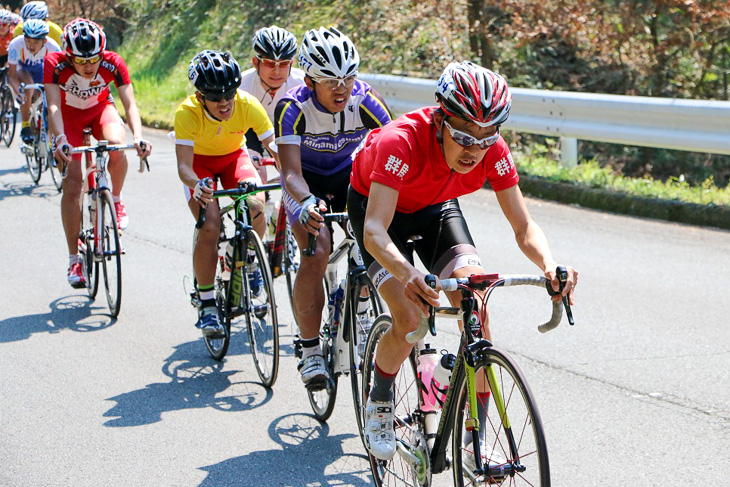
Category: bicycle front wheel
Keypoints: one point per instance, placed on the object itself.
(411, 464)
(513, 450)
(290, 262)
(8, 114)
(260, 308)
(33, 162)
(111, 252)
(364, 308)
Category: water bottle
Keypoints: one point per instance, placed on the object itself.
(234, 299)
(335, 305)
(442, 377)
(227, 259)
(271, 212)
(427, 361)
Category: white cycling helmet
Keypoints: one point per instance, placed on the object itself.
(274, 43)
(35, 29)
(6, 17)
(34, 10)
(83, 38)
(474, 94)
(328, 53)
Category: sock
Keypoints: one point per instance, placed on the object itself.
(363, 304)
(26, 124)
(207, 293)
(311, 347)
(482, 405)
(382, 390)
(74, 259)
(116, 198)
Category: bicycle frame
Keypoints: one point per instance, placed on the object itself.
(39, 121)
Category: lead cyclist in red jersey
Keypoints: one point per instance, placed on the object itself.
(77, 88)
(405, 181)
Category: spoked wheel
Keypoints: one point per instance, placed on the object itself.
(8, 112)
(290, 263)
(111, 252)
(260, 309)
(88, 250)
(55, 171)
(364, 309)
(412, 469)
(218, 347)
(33, 162)
(322, 396)
(513, 450)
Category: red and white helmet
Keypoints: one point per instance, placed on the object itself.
(474, 94)
(83, 38)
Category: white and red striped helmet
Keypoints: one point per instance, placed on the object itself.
(83, 38)
(474, 94)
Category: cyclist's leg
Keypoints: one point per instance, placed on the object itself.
(108, 125)
(25, 77)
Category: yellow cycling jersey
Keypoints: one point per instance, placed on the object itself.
(56, 33)
(210, 137)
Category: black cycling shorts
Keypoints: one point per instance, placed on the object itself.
(444, 243)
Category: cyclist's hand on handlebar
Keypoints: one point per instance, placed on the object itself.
(310, 217)
(569, 283)
(63, 150)
(144, 147)
(420, 293)
(203, 191)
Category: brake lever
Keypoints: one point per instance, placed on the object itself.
(431, 281)
(562, 274)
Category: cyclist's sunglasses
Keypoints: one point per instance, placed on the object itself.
(334, 83)
(270, 63)
(216, 97)
(467, 140)
(86, 60)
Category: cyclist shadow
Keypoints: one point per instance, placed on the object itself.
(197, 382)
(28, 189)
(68, 313)
(309, 456)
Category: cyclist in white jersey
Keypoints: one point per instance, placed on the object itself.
(270, 78)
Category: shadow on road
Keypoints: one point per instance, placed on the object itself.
(308, 457)
(68, 313)
(28, 189)
(197, 382)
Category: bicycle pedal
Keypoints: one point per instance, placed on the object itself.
(261, 310)
(317, 385)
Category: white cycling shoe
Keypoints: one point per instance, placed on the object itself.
(378, 429)
(489, 457)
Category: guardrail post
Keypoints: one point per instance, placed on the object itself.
(569, 152)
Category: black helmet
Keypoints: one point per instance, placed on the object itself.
(274, 43)
(214, 72)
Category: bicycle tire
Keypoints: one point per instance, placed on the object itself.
(525, 427)
(90, 263)
(322, 397)
(111, 252)
(34, 163)
(260, 308)
(9, 115)
(218, 347)
(408, 425)
(56, 175)
(359, 331)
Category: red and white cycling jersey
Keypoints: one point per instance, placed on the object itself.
(82, 93)
(405, 155)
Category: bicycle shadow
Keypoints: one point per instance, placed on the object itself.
(29, 189)
(308, 456)
(197, 382)
(14, 170)
(74, 312)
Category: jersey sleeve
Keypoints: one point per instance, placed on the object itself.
(373, 110)
(118, 68)
(392, 159)
(288, 122)
(14, 51)
(186, 126)
(52, 45)
(501, 170)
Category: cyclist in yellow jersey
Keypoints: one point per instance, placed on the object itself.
(39, 10)
(210, 128)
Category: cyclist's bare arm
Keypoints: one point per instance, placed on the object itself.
(126, 94)
(185, 155)
(13, 78)
(53, 97)
(268, 142)
(290, 157)
(378, 217)
(531, 239)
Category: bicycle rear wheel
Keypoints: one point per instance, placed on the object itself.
(55, 173)
(34, 163)
(260, 309)
(8, 113)
(290, 263)
(111, 252)
(360, 326)
(514, 444)
(408, 426)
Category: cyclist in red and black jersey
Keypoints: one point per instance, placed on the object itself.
(77, 88)
(405, 181)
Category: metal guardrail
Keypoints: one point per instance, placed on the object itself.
(689, 125)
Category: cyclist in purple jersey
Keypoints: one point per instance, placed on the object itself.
(318, 126)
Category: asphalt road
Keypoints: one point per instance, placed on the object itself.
(637, 393)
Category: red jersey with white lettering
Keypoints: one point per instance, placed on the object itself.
(82, 93)
(405, 155)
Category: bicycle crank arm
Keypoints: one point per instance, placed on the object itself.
(405, 452)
